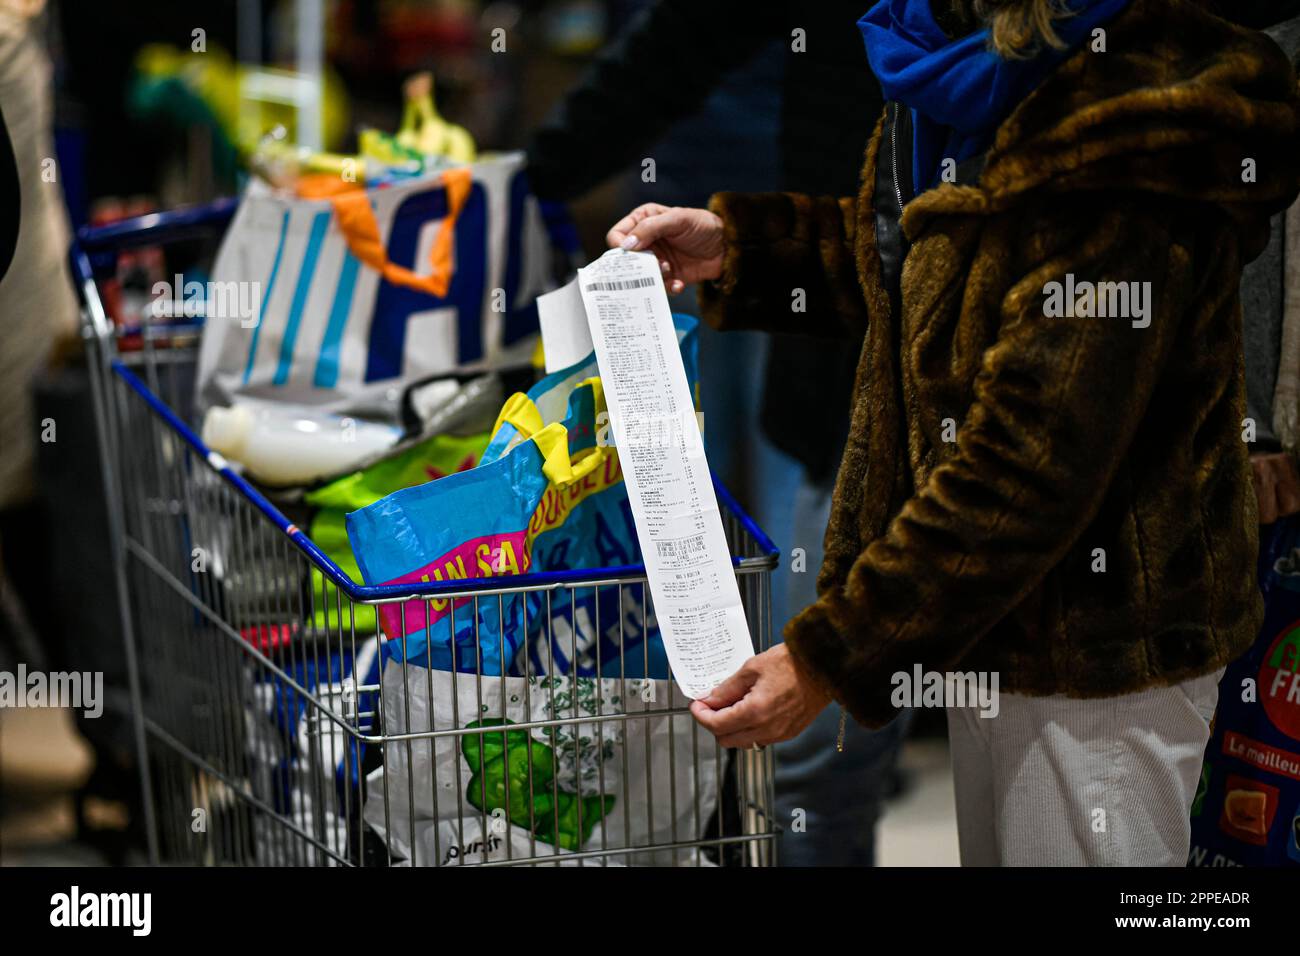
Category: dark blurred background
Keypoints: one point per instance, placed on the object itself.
(120, 137)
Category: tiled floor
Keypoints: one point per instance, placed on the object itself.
(42, 760)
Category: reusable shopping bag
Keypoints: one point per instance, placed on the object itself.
(609, 629)
(515, 794)
(1247, 807)
(473, 524)
(548, 401)
(587, 524)
(341, 299)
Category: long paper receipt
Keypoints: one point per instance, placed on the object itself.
(652, 417)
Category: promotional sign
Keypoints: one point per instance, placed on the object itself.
(1247, 807)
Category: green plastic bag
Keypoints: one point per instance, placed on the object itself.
(433, 458)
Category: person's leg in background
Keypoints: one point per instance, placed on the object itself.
(770, 483)
(828, 802)
(37, 306)
(761, 477)
(1054, 781)
(731, 366)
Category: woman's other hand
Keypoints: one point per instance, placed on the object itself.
(768, 700)
(687, 242)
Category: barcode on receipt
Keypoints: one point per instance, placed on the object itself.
(619, 285)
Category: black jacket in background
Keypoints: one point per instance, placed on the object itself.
(1259, 14)
(661, 70)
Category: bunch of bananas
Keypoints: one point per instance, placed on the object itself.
(424, 141)
(424, 132)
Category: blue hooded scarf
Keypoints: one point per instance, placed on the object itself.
(960, 91)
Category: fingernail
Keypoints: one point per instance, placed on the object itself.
(664, 266)
(678, 285)
(631, 242)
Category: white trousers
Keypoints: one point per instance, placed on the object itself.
(1054, 781)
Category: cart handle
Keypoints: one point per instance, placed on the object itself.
(157, 227)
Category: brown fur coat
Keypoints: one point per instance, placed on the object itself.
(998, 455)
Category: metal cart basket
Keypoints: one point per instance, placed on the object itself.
(269, 727)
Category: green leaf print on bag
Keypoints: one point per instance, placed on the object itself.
(500, 765)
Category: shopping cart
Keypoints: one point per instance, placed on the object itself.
(271, 730)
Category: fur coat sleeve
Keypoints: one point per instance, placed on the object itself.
(788, 266)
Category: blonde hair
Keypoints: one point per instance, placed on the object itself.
(1020, 28)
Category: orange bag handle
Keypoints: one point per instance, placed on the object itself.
(356, 221)
(323, 186)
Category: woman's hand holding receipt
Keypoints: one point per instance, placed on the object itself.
(768, 700)
(687, 242)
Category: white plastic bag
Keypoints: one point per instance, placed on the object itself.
(638, 782)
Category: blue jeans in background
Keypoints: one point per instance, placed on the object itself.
(841, 795)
